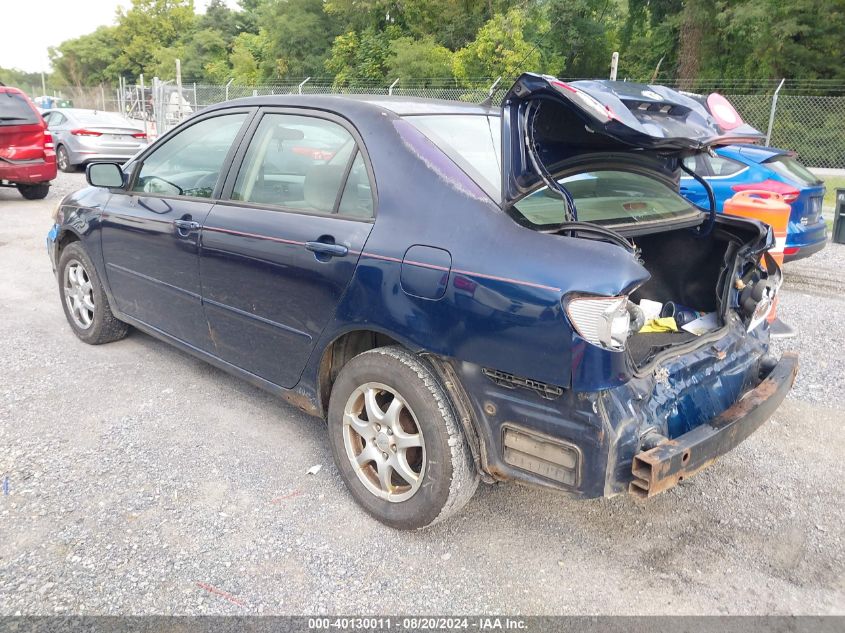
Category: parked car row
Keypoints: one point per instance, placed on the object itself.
(27, 154)
(462, 292)
(34, 142)
(753, 167)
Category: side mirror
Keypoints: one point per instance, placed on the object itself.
(107, 175)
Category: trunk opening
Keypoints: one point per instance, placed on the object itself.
(690, 271)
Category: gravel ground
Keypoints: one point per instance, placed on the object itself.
(143, 481)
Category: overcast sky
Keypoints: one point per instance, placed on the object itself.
(30, 26)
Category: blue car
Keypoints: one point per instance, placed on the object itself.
(458, 291)
(741, 167)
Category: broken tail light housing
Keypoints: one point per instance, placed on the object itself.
(602, 321)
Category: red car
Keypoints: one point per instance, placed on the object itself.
(27, 155)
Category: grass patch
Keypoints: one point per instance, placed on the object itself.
(832, 183)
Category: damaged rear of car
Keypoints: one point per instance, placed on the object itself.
(672, 369)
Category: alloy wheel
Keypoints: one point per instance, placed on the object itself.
(79, 294)
(62, 158)
(384, 442)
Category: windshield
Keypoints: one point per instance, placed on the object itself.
(786, 166)
(14, 110)
(472, 141)
(608, 197)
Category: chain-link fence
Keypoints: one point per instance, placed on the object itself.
(812, 123)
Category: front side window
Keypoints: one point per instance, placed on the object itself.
(609, 197)
(296, 162)
(190, 163)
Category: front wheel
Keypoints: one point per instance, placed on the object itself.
(84, 299)
(34, 192)
(397, 442)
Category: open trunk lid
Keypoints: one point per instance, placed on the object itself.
(569, 119)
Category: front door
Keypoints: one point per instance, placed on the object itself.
(278, 255)
(150, 233)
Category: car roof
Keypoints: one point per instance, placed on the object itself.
(399, 105)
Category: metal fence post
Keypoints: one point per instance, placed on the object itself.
(143, 102)
(390, 90)
(772, 113)
(303, 83)
(228, 83)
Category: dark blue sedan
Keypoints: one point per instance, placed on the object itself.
(743, 167)
(462, 292)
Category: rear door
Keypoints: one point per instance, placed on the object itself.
(278, 255)
(150, 232)
(721, 173)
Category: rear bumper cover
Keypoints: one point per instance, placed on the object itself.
(27, 172)
(662, 467)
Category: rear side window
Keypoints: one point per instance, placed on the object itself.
(300, 162)
(357, 198)
(792, 170)
(15, 110)
(721, 166)
(472, 141)
(190, 163)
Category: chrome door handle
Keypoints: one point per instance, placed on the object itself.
(325, 248)
(186, 225)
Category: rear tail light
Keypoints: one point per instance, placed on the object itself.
(602, 321)
(789, 194)
(84, 132)
(48, 140)
(603, 112)
(791, 250)
(140, 135)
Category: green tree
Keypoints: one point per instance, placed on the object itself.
(147, 27)
(422, 60)
(85, 60)
(500, 48)
(298, 36)
(245, 58)
(361, 57)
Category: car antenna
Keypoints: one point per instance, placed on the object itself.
(488, 100)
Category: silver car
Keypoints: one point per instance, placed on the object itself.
(82, 136)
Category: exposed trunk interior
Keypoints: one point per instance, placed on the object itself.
(686, 269)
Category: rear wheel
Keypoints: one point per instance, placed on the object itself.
(84, 300)
(63, 160)
(397, 442)
(34, 192)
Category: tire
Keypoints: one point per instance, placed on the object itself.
(63, 160)
(98, 325)
(437, 452)
(34, 192)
